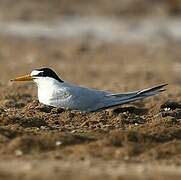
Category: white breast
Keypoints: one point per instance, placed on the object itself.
(47, 88)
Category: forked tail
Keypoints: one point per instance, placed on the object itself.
(124, 98)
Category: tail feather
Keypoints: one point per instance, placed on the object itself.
(153, 89)
(133, 96)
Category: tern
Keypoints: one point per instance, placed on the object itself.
(55, 92)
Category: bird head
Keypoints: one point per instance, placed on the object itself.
(39, 75)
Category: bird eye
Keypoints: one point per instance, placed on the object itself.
(40, 74)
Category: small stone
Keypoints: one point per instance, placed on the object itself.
(167, 109)
(58, 143)
(18, 152)
(172, 105)
(43, 127)
(73, 131)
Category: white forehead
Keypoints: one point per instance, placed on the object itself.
(35, 72)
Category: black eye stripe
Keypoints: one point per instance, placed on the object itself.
(47, 72)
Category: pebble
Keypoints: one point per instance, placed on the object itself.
(18, 152)
(167, 109)
(73, 131)
(58, 143)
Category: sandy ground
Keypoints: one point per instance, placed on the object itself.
(136, 141)
(46, 10)
(128, 143)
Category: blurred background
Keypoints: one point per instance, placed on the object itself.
(100, 43)
(114, 45)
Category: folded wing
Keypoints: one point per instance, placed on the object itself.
(117, 99)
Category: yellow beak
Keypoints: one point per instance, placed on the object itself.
(23, 78)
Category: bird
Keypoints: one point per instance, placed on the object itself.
(55, 92)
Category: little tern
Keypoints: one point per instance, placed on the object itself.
(55, 92)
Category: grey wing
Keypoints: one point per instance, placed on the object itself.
(112, 100)
(87, 100)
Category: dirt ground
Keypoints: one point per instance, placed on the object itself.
(51, 9)
(141, 140)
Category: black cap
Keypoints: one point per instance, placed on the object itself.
(47, 72)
